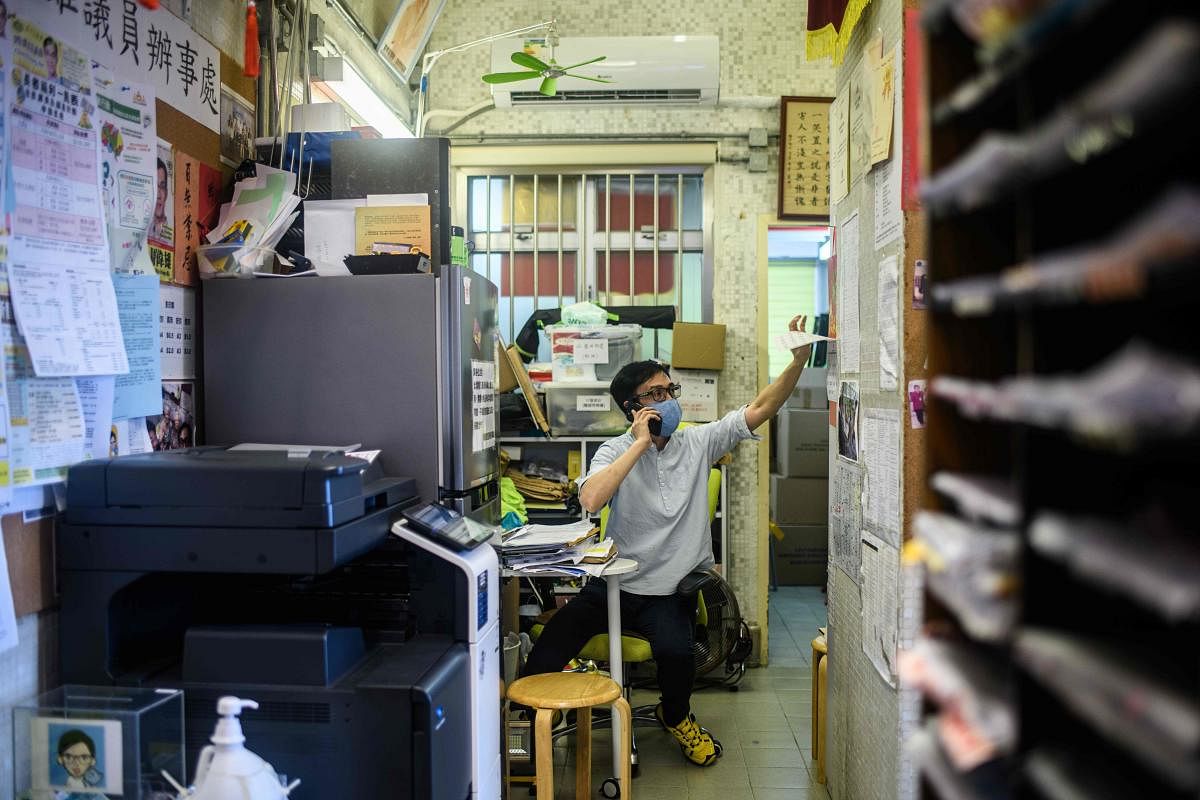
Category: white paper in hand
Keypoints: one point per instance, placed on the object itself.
(793, 339)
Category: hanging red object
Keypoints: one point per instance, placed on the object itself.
(250, 70)
(150, 4)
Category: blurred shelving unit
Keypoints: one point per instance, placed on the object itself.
(1063, 200)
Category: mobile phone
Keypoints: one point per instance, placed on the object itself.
(654, 425)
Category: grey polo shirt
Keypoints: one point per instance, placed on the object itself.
(659, 514)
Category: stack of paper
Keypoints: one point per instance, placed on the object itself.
(562, 549)
(261, 212)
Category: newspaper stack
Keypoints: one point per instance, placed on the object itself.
(560, 549)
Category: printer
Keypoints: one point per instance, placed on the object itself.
(274, 575)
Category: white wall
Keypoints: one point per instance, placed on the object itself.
(762, 54)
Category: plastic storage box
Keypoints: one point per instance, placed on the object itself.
(582, 408)
(85, 741)
(593, 353)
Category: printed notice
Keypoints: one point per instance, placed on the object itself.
(177, 333)
(880, 604)
(138, 392)
(46, 427)
(845, 517)
(839, 147)
(888, 316)
(889, 215)
(881, 485)
(96, 398)
(847, 289)
(128, 153)
(483, 405)
(593, 402)
(58, 267)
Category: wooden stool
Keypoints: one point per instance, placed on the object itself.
(580, 691)
(820, 666)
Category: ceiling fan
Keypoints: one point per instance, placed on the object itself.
(548, 72)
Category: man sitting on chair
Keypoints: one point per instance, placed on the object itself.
(655, 480)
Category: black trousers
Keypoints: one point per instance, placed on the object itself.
(666, 621)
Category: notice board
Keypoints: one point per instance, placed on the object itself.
(804, 158)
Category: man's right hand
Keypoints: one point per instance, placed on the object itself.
(641, 424)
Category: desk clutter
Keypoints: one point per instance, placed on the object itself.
(569, 550)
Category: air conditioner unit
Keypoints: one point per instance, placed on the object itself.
(645, 70)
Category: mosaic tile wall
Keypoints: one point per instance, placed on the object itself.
(762, 54)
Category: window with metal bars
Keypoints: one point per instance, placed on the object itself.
(616, 238)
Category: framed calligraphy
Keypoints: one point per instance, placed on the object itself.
(804, 158)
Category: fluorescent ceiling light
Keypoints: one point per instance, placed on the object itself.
(362, 101)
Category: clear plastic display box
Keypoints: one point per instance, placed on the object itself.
(87, 742)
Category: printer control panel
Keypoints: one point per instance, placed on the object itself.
(444, 526)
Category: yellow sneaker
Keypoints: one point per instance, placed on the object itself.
(698, 746)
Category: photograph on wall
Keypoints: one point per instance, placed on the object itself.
(404, 40)
(175, 428)
(76, 756)
(916, 403)
(920, 284)
(848, 421)
(161, 234)
(237, 128)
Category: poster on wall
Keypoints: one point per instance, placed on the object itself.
(880, 605)
(804, 158)
(187, 217)
(126, 115)
(78, 756)
(407, 34)
(237, 128)
(162, 221)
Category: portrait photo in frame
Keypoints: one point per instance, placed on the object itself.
(79, 756)
(407, 34)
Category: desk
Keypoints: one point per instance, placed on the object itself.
(612, 580)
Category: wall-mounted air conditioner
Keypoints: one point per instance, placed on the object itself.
(645, 70)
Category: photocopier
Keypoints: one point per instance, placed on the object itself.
(274, 575)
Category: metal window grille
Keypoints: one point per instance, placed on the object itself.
(616, 238)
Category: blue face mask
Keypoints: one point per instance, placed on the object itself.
(671, 414)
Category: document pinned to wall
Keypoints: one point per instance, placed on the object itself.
(845, 517)
(889, 213)
(127, 117)
(883, 96)
(46, 427)
(881, 483)
(880, 588)
(888, 317)
(58, 256)
(860, 128)
(839, 148)
(96, 398)
(137, 392)
(483, 405)
(177, 333)
(847, 290)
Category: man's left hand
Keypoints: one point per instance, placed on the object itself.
(800, 354)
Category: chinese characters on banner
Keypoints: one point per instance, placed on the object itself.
(181, 66)
(58, 267)
(804, 158)
(187, 228)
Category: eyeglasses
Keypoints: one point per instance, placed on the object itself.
(659, 394)
(73, 759)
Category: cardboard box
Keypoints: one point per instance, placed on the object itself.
(799, 501)
(698, 393)
(802, 557)
(800, 443)
(697, 345)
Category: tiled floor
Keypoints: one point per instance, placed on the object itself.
(765, 728)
